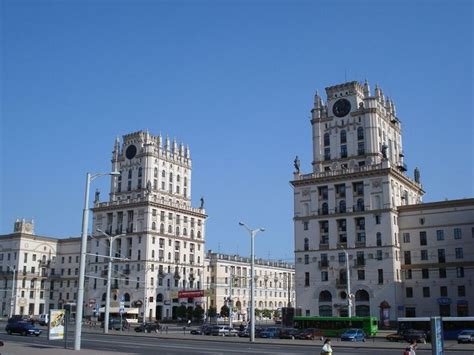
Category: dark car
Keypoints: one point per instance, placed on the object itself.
(147, 328)
(270, 333)
(309, 334)
(353, 334)
(395, 337)
(202, 330)
(466, 336)
(411, 335)
(289, 333)
(117, 324)
(23, 328)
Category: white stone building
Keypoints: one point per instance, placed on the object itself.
(274, 283)
(350, 203)
(160, 233)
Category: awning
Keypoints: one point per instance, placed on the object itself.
(117, 310)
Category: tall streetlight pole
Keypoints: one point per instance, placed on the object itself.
(253, 233)
(109, 279)
(13, 300)
(82, 261)
(348, 275)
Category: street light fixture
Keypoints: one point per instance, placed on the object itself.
(109, 279)
(82, 261)
(348, 276)
(13, 299)
(253, 233)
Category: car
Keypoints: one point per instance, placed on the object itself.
(202, 330)
(43, 319)
(353, 334)
(117, 324)
(411, 335)
(223, 330)
(147, 328)
(466, 336)
(23, 328)
(309, 334)
(289, 333)
(270, 333)
(395, 337)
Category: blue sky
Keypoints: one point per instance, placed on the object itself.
(233, 79)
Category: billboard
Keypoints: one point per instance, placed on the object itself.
(190, 294)
(56, 324)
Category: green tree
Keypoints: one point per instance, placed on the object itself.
(189, 313)
(266, 313)
(258, 312)
(224, 311)
(276, 314)
(181, 311)
(211, 312)
(198, 312)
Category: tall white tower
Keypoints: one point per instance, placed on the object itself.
(349, 203)
(163, 235)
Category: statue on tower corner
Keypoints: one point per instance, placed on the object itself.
(417, 175)
(384, 151)
(202, 203)
(97, 196)
(297, 165)
(148, 187)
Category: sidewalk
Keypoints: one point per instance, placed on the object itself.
(12, 348)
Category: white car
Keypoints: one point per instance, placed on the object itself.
(466, 336)
(43, 319)
(223, 330)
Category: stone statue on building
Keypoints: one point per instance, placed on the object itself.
(202, 203)
(148, 187)
(417, 175)
(384, 151)
(97, 196)
(297, 164)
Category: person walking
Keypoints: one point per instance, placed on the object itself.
(326, 349)
(411, 350)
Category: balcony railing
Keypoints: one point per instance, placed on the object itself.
(323, 264)
(359, 262)
(323, 246)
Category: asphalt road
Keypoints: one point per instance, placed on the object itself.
(130, 344)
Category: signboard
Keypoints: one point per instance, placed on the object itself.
(190, 294)
(56, 324)
(96, 309)
(444, 301)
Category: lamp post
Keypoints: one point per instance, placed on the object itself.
(13, 300)
(109, 279)
(253, 233)
(348, 290)
(82, 261)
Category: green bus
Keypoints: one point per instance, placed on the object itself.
(335, 326)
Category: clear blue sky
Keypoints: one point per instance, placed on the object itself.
(233, 79)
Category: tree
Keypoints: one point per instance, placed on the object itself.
(189, 312)
(258, 312)
(211, 312)
(181, 311)
(198, 312)
(266, 313)
(276, 314)
(224, 311)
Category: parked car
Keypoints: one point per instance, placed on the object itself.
(202, 330)
(18, 318)
(395, 337)
(466, 336)
(43, 319)
(270, 333)
(23, 328)
(223, 330)
(353, 334)
(117, 324)
(147, 327)
(289, 333)
(309, 334)
(411, 335)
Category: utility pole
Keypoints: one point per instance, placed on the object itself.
(230, 297)
(13, 300)
(349, 300)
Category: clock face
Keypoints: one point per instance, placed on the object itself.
(341, 108)
(131, 151)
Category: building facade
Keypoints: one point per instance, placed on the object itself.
(349, 207)
(228, 280)
(158, 236)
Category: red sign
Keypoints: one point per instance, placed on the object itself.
(190, 294)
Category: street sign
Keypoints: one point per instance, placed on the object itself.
(97, 308)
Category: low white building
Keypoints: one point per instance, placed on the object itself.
(228, 277)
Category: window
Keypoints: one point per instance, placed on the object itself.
(462, 291)
(440, 234)
(377, 219)
(457, 233)
(378, 255)
(343, 151)
(424, 255)
(406, 237)
(423, 240)
(409, 292)
(443, 291)
(460, 272)
(407, 255)
(343, 136)
(306, 259)
(342, 257)
(408, 274)
(441, 256)
(425, 273)
(442, 273)
(306, 278)
(360, 274)
(459, 253)
(326, 139)
(305, 225)
(324, 276)
(306, 244)
(379, 239)
(360, 133)
(327, 153)
(380, 276)
(426, 292)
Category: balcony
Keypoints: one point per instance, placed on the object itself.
(359, 262)
(323, 264)
(341, 284)
(360, 244)
(358, 208)
(323, 246)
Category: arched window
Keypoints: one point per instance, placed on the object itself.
(163, 173)
(171, 177)
(153, 226)
(170, 229)
(155, 173)
(185, 232)
(362, 296)
(325, 296)
(199, 234)
(342, 206)
(162, 228)
(126, 297)
(140, 172)
(343, 136)
(177, 231)
(306, 244)
(325, 208)
(360, 133)
(159, 297)
(327, 140)
(178, 178)
(130, 173)
(192, 233)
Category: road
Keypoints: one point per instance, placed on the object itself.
(129, 343)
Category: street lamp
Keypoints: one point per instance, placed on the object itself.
(253, 233)
(13, 299)
(109, 279)
(82, 262)
(348, 276)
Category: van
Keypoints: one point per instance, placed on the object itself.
(43, 319)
